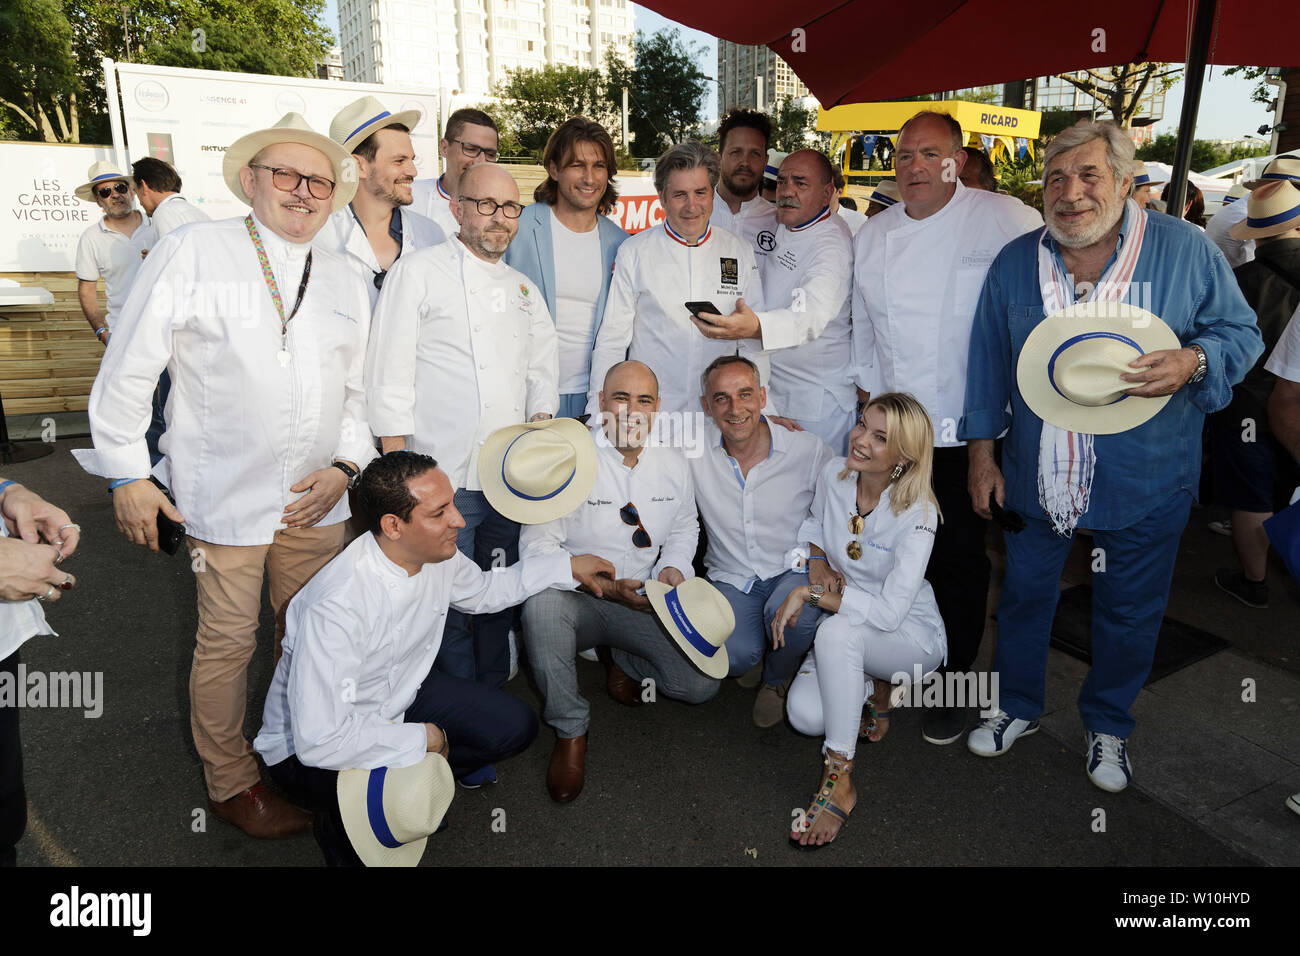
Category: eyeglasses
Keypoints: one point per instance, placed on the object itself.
(103, 192)
(489, 207)
(472, 150)
(288, 180)
(640, 537)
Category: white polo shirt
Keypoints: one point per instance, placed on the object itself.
(459, 347)
(175, 211)
(103, 253)
(753, 520)
(659, 486)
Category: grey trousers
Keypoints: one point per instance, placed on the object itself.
(558, 624)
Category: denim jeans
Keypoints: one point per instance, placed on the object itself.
(753, 634)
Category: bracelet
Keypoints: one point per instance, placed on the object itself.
(101, 330)
(6, 484)
(818, 557)
(118, 483)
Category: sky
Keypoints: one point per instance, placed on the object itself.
(1226, 110)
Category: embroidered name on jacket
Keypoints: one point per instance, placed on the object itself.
(730, 271)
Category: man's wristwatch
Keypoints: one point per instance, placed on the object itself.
(815, 596)
(1201, 365)
(353, 475)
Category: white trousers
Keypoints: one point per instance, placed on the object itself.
(836, 677)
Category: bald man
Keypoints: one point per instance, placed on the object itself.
(654, 481)
(461, 345)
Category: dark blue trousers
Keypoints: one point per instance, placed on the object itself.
(1128, 604)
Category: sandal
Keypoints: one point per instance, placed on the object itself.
(836, 768)
(871, 718)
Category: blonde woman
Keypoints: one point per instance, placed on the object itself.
(873, 521)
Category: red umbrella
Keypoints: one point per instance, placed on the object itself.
(849, 51)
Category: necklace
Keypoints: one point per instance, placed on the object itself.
(269, 277)
(857, 521)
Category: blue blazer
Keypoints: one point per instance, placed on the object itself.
(533, 254)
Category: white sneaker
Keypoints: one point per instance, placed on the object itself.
(1108, 763)
(1293, 802)
(1223, 527)
(995, 735)
(589, 655)
(514, 654)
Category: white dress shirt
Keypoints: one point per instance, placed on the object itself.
(20, 620)
(886, 587)
(430, 200)
(242, 428)
(342, 235)
(1237, 251)
(655, 274)
(1285, 360)
(660, 488)
(176, 211)
(459, 347)
(915, 286)
(360, 638)
(107, 254)
(754, 218)
(753, 521)
(807, 284)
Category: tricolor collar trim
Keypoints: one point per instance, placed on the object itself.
(824, 214)
(441, 192)
(677, 237)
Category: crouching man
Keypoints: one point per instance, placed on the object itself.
(356, 686)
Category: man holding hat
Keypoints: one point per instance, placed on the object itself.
(357, 688)
(1107, 402)
(267, 424)
(463, 345)
(113, 248)
(379, 224)
(640, 516)
(916, 278)
(1246, 456)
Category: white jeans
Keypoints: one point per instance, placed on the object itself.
(835, 680)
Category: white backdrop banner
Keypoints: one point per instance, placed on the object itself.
(189, 117)
(43, 219)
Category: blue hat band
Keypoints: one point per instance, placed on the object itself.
(375, 809)
(1051, 363)
(693, 637)
(515, 491)
(365, 124)
(1280, 217)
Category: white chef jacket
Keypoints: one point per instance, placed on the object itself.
(755, 222)
(660, 487)
(1237, 251)
(655, 274)
(753, 521)
(915, 287)
(176, 211)
(809, 275)
(360, 638)
(852, 218)
(430, 200)
(107, 254)
(342, 234)
(241, 427)
(20, 620)
(886, 587)
(459, 347)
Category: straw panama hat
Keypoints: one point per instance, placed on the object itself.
(1282, 167)
(698, 609)
(1235, 192)
(886, 193)
(99, 173)
(774, 160)
(539, 471)
(1272, 209)
(388, 812)
(291, 128)
(362, 117)
(1142, 176)
(1070, 366)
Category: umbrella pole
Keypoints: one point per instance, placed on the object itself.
(1175, 194)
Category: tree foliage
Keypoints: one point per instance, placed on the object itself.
(1119, 90)
(54, 49)
(665, 90)
(1205, 154)
(535, 102)
(793, 125)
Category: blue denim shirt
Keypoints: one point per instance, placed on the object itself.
(1183, 278)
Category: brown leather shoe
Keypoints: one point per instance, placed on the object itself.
(621, 687)
(260, 813)
(564, 777)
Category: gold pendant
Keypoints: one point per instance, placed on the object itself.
(855, 524)
(854, 549)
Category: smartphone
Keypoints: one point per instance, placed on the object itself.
(695, 308)
(170, 533)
